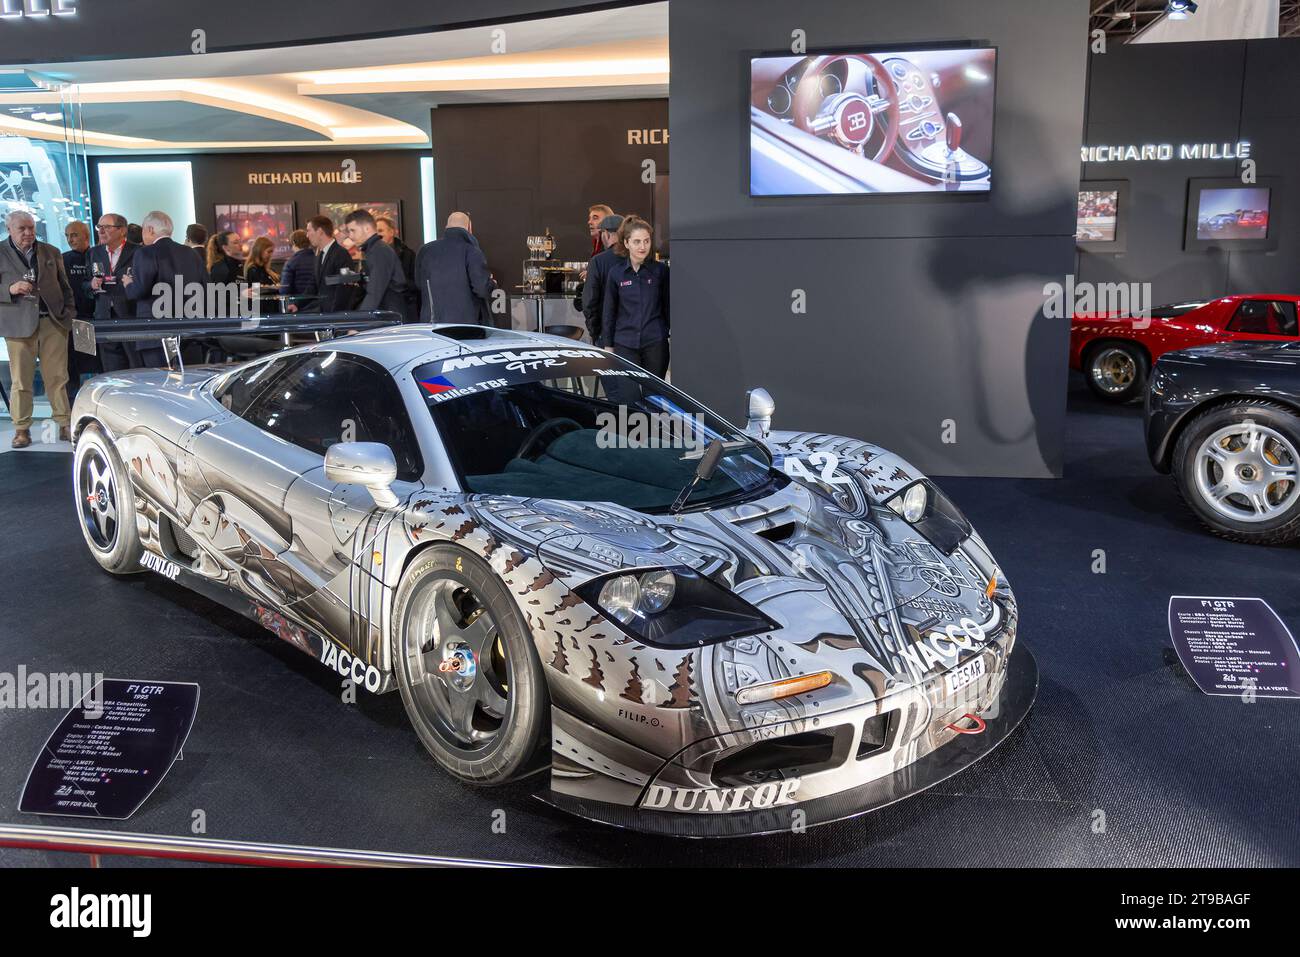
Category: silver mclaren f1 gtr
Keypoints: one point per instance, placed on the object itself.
(556, 557)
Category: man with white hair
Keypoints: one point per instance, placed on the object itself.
(159, 262)
(36, 312)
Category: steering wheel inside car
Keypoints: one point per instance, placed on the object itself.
(848, 117)
(539, 430)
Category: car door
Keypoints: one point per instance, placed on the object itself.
(335, 546)
(248, 472)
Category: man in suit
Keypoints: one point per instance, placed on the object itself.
(36, 312)
(110, 262)
(330, 259)
(158, 264)
(76, 264)
(385, 281)
(451, 275)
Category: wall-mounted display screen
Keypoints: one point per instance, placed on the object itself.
(1229, 214)
(872, 122)
(388, 209)
(1098, 215)
(252, 220)
(1233, 213)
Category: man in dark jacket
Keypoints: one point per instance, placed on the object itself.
(385, 281)
(593, 287)
(110, 262)
(329, 259)
(451, 276)
(76, 263)
(158, 264)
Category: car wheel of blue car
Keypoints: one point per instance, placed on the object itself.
(467, 669)
(105, 503)
(1238, 467)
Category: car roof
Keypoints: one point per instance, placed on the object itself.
(395, 347)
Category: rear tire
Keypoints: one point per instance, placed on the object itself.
(1116, 371)
(1236, 468)
(105, 503)
(467, 669)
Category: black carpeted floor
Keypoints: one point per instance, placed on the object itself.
(1119, 737)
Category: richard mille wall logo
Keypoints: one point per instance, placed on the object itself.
(15, 9)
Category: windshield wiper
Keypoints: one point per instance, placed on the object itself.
(703, 472)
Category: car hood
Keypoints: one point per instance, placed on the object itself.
(852, 586)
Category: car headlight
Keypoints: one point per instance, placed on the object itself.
(673, 607)
(930, 512)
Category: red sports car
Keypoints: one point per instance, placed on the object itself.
(1115, 352)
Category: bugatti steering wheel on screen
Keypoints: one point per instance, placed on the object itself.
(848, 117)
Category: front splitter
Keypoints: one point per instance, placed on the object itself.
(1014, 701)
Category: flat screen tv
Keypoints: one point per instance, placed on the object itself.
(857, 122)
(1230, 214)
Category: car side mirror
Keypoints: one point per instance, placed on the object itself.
(761, 407)
(369, 464)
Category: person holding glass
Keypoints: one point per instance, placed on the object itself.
(110, 262)
(36, 312)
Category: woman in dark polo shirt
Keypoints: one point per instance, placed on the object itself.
(635, 315)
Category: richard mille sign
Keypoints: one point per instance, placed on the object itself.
(304, 178)
(1133, 153)
(37, 8)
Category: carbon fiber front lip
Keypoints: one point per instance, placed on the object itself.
(1019, 690)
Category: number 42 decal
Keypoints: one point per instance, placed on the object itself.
(827, 462)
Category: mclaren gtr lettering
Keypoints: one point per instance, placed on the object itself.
(343, 662)
(751, 797)
(160, 565)
(529, 358)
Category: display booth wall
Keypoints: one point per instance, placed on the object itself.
(520, 168)
(924, 312)
(224, 178)
(1196, 93)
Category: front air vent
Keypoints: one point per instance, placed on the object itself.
(791, 756)
(778, 533)
(877, 734)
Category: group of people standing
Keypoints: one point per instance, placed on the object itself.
(625, 290)
(624, 296)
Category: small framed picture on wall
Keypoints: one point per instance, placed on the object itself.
(1101, 217)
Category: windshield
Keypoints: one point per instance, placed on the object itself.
(580, 424)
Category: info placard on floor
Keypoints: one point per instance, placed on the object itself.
(1235, 646)
(112, 750)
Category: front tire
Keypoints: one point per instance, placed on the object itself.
(1116, 371)
(466, 666)
(1236, 467)
(105, 503)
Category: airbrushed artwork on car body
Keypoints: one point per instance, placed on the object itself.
(911, 640)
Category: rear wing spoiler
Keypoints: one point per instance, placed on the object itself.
(326, 325)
